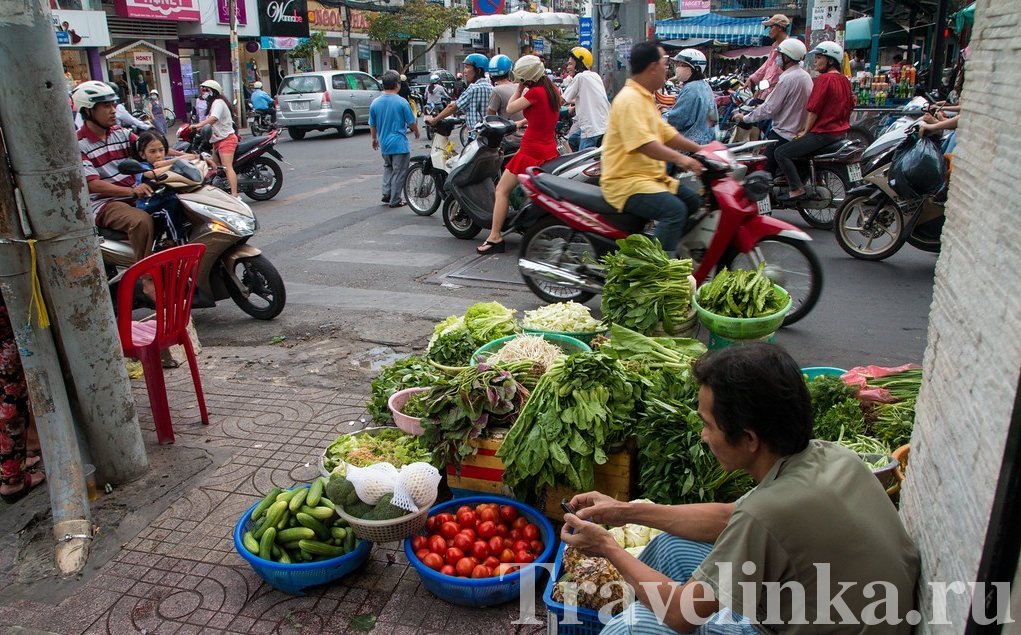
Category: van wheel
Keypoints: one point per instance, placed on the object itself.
(347, 125)
(296, 133)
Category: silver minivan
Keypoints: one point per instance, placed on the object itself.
(325, 99)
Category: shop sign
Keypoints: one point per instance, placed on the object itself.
(142, 58)
(271, 43)
(323, 18)
(176, 10)
(223, 11)
(690, 8)
(364, 52)
(283, 18)
(80, 29)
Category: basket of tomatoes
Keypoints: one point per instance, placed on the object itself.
(474, 551)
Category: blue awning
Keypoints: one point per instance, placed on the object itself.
(736, 31)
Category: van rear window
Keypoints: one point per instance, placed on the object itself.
(303, 84)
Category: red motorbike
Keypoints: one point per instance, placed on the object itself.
(559, 255)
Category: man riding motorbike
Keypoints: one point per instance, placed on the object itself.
(637, 145)
(769, 70)
(473, 101)
(785, 105)
(586, 91)
(694, 104)
(503, 91)
(262, 103)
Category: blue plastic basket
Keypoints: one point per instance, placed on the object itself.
(587, 620)
(812, 372)
(483, 591)
(295, 578)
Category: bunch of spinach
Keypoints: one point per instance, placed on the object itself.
(582, 405)
(461, 408)
(837, 412)
(741, 294)
(452, 344)
(645, 287)
(411, 372)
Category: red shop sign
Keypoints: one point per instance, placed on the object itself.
(175, 10)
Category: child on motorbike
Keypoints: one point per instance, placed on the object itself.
(151, 150)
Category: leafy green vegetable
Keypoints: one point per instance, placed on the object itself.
(892, 423)
(487, 321)
(563, 317)
(452, 343)
(582, 405)
(655, 352)
(383, 446)
(411, 372)
(844, 419)
(741, 294)
(645, 287)
(415, 405)
(826, 391)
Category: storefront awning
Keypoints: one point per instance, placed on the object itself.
(114, 52)
(522, 21)
(734, 31)
(858, 33)
(751, 51)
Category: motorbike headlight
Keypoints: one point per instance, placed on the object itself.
(241, 224)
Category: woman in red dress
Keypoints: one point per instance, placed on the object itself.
(540, 100)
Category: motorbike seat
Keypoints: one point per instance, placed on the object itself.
(832, 150)
(588, 196)
(112, 234)
(552, 165)
(248, 144)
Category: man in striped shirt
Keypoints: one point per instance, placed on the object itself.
(103, 145)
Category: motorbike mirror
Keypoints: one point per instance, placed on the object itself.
(130, 166)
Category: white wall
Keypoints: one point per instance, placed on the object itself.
(210, 25)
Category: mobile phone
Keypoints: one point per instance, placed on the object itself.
(567, 507)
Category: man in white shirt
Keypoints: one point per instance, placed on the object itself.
(785, 105)
(589, 96)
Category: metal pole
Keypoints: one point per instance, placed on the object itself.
(877, 30)
(235, 65)
(47, 171)
(607, 13)
(939, 44)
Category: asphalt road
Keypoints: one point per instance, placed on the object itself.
(357, 268)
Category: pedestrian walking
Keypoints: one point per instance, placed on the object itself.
(389, 119)
(156, 112)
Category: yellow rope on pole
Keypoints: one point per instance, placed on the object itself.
(37, 293)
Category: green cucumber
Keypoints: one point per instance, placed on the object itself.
(261, 508)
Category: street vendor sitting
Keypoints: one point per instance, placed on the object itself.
(815, 547)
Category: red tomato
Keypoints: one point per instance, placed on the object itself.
(438, 545)
(508, 513)
(422, 553)
(487, 529)
(521, 545)
(433, 561)
(501, 530)
(523, 557)
(482, 571)
(504, 569)
(491, 562)
(489, 514)
(444, 518)
(507, 555)
(453, 555)
(430, 525)
(418, 543)
(448, 530)
(462, 542)
(495, 545)
(508, 543)
(479, 508)
(530, 532)
(448, 570)
(537, 546)
(464, 567)
(475, 561)
(519, 523)
(462, 509)
(466, 518)
(480, 550)
(515, 534)
(470, 533)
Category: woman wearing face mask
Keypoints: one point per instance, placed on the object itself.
(695, 102)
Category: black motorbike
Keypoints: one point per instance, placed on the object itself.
(259, 177)
(260, 122)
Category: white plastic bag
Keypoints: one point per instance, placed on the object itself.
(416, 486)
(372, 481)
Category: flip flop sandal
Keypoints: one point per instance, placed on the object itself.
(490, 247)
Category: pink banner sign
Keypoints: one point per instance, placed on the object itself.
(175, 10)
(223, 12)
(694, 7)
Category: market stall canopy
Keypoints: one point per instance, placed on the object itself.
(751, 51)
(964, 17)
(137, 43)
(858, 33)
(734, 31)
(687, 44)
(521, 21)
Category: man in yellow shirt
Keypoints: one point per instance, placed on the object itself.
(637, 145)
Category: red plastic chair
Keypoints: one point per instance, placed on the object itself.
(173, 274)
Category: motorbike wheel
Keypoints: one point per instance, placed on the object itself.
(464, 134)
(867, 230)
(429, 132)
(551, 242)
(171, 118)
(262, 293)
(837, 185)
(459, 224)
(421, 191)
(256, 130)
(259, 167)
(296, 133)
(791, 264)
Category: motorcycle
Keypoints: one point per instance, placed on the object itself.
(230, 267)
(423, 189)
(259, 177)
(559, 254)
(828, 174)
(260, 123)
(875, 221)
(470, 186)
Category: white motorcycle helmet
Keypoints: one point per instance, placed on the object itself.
(257, 85)
(693, 58)
(212, 85)
(831, 50)
(87, 95)
(794, 49)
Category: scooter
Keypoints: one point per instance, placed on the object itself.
(559, 254)
(260, 123)
(259, 177)
(471, 184)
(230, 267)
(423, 189)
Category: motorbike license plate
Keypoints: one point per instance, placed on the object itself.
(854, 172)
(299, 105)
(764, 207)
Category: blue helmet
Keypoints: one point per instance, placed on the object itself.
(478, 60)
(500, 66)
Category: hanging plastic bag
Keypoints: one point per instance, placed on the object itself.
(918, 168)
